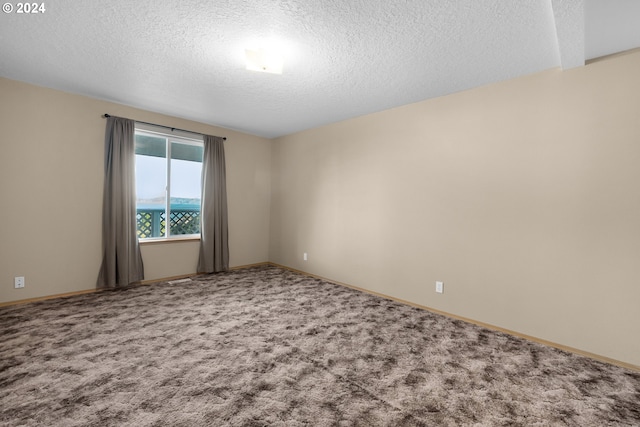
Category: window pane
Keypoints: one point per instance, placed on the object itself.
(186, 169)
(151, 146)
(187, 152)
(151, 183)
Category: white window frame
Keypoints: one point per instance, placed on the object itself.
(180, 137)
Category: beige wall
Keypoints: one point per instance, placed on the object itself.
(522, 196)
(51, 177)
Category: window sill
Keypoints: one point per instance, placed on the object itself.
(169, 240)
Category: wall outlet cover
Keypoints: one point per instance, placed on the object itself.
(18, 282)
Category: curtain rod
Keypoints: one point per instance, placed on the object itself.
(163, 126)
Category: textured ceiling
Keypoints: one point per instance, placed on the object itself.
(342, 58)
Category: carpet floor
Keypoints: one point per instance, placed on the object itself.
(265, 346)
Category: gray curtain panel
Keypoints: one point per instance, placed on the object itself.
(121, 258)
(214, 233)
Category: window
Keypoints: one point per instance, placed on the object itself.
(168, 173)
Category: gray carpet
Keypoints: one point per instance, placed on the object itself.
(268, 347)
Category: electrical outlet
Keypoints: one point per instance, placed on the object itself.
(439, 287)
(304, 256)
(18, 282)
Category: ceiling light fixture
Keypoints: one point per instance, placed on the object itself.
(266, 60)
